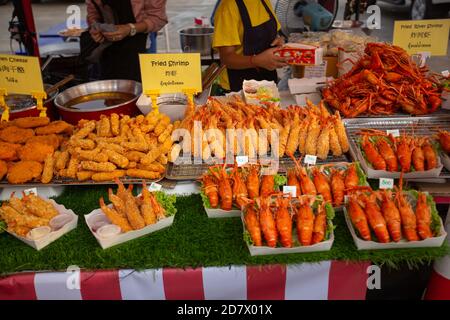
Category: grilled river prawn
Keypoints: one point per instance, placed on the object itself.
(273, 219)
(391, 216)
(400, 154)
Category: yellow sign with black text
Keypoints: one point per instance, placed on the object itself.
(171, 72)
(20, 74)
(422, 36)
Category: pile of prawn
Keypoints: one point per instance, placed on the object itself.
(332, 181)
(384, 81)
(23, 215)
(271, 220)
(130, 212)
(401, 154)
(309, 130)
(227, 188)
(390, 216)
(235, 186)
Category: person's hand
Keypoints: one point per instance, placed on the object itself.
(278, 42)
(123, 30)
(268, 60)
(96, 35)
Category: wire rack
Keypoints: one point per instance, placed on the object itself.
(194, 171)
(417, 126)
(57, 182)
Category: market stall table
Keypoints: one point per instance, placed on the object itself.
(207, 256)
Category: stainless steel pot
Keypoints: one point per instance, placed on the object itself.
(72, 115)
(198, 39)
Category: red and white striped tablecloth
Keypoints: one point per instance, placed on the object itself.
(332, 280)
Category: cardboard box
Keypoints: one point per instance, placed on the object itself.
(329, 69)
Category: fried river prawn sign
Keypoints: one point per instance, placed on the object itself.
(171, 73)
(422, 36)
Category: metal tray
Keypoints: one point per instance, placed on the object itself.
(419, 126)
(71, 182)
(195, 171)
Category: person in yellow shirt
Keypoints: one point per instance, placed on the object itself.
(246, 37)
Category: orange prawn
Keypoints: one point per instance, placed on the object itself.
(391, 215)
(320, 225)
(409, 221)
(225, 191)
(267, 222)
(293, 181)
(404, 153)
(418, 157)
(211, 190)
(239, 188)
(372, 154)
(351, 177)
(284, 221)
(337, 187)
(430, 156)
(253, 182)
(322, 184)
(375, 218)
(305, 223)
(423, 215)
(252, 224)
(358, 218)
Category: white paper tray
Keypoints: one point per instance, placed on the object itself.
(264, 250)
(124, 237)
(376, 174)
(402, 244)
(54, 235)
(219, 213)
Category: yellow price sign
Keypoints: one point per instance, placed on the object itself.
(171, 72)
(20, 74)
(419, 36)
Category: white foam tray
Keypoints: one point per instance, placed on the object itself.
(376, 174)
(402, 244)
(54, 235)
(106, 243)
(264, 250)
(219, 213)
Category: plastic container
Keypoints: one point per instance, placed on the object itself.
(173, 105)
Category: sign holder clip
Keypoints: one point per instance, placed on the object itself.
(40, 96)
(3, 105)
(153, 95)
(190, 95)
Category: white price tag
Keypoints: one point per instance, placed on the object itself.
(386, 183)
(445, 73)
(154, 187)
(423, 57)
(394, 133)
(310, 159)
(290, 190)
(31, 190)
(241, 160)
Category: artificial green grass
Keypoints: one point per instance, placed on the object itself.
(193, 240)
